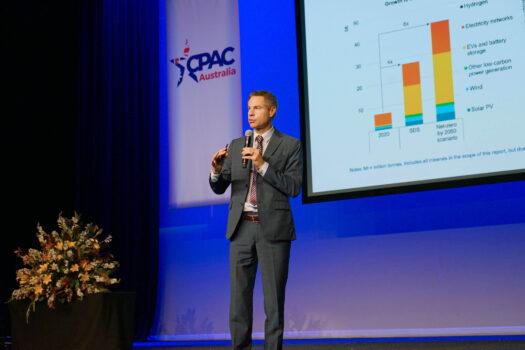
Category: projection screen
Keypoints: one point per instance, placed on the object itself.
(410, 94)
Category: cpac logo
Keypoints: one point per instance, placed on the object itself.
(197, 63)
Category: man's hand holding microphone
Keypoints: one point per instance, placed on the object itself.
(248, 153)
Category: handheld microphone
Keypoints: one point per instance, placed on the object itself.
(247, 142)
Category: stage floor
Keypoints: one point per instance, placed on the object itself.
(506, 343)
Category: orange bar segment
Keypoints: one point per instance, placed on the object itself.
(411, 74)
(440, 37)
(383, 119)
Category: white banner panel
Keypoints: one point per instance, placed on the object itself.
(204, 91)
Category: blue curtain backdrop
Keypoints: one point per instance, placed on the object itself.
(117, 138)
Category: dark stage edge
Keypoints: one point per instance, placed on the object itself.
(516, 343)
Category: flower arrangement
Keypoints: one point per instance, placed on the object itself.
(70, 264)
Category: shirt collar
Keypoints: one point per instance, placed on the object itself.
(266, 136)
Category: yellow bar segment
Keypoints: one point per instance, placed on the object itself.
(443, 83)
(413, 99)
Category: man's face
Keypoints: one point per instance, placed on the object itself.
(260, 113)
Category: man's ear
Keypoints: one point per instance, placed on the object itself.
(273, 110)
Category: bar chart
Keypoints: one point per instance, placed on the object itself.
(442, 73)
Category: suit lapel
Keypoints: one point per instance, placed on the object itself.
(274, 143)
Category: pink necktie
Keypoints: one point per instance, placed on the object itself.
(253, 184)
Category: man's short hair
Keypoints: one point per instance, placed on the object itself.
(268, 96)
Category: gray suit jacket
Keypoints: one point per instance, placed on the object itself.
(282, 180)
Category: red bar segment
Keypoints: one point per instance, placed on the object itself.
(440, 37)
(411, 74)
(383, 119)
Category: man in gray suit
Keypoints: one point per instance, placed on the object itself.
(260, 223)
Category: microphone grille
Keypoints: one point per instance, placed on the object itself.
(248, 133)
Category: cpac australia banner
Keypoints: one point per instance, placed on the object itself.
(204, 93)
